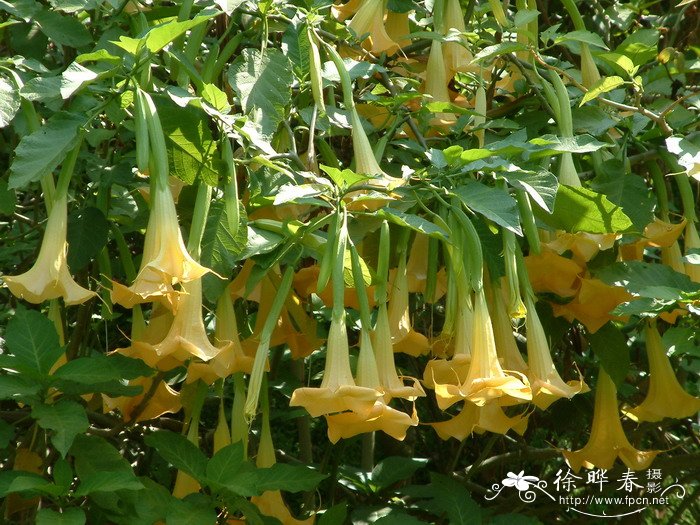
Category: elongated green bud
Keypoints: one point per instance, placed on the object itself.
(329, 250)
(480, 118)
(315, 73)
(383, 264)
(231, 190)
(141, 132)
(589, 71)
(499, 13)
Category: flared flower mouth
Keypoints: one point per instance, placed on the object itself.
(607, 441)
(49, 277)
(665, 397)
(369, 20)
(380, 417)
(473, 418)
(659, 234)
(553, 273)
(164, 400)
(165, 261)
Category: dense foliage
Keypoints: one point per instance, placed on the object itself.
(360, 262)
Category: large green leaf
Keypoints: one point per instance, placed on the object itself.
(641, 46)
(87, 235)
(263, 82)
(65, 418)
(94, 454)
(161, 35)
(64, 30)
(653, 281)
(17, 387)
(289, 478)
(412, 221)
(9, 102)
(609, 345)
(493, 203)
(395, 468)
(583, 210)
(31, 337)
(229, 470)
(8, 199)
(100, 369)
(39, 153)
(107, 482)
(220, 249)
(541, 186)
(179, 452)
(69, 516)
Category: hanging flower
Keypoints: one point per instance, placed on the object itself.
(657, 233)
(380, 417)
(403, 336)
(584, 246)
(165, 259)
(49, 277)
(369, 21)
(547, 385)
(397, 28)
(441, 372)
(338, 391)
(479, 419)
(607, 440)
(164, 400)
(456, 55)
(551, 273)
(506, 347)
(435, 84)
(486, 380)
(417, 269)
(666, 397)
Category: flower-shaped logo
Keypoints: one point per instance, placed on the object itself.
(519, 481)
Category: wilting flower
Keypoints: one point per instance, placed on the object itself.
(593, 303)
(164, 400)
(49, 277)
(165, 259)
(369, 20)
(403, 336)
(692, 242)
(547, 385)
(486, 380)
(666, 397)
(607, 440)
(338, 391)
(552, 273)
(658, 234)
(479, 419)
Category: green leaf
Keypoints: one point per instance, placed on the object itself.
(446, 496)
(503, 48)
(217, 98)
(604, 85)
(9, 102)
(220, 249)
(161, 35)
(40, 152)
(65, 418)
(397, 517)
(88, 230)
(41, 89)
(194, 151)
(586, 37)
(31, 337)
(541, 186)
(344, 179)
(260, 241)
(8, 199)
(7, 434)
(609, 345)
(414, 222)
(179, 452)
(628, 191)
(263, 83)
(395, 468)
(654, 281)
(69, 516)
(493, 203)
(74, 77)
(21, 481)
(580, 209)
(289, 478)
(64, 30)
(335, 515)
(107, 482)
(17, 387)
(295, 45)
(99, 368)
(640, 47)
(229, 470)
(195, 510)
(621, 64)
(94, 454)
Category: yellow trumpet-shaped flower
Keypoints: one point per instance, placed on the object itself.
(584, 246)
(270, 503)
(165, 259)
(666, 397)
(454, 370)
(547, 385)
(553, 273)
(338, 391)
(187, 336)
(589, 71)
(486, 380)
(380, 417)
(658, 234)
(403, 336)
(607, 441)
(222, 432)
(389, 380)
(435, 85)
(457, 56)
(692, 242)
(346, 10)
(506, 347)
(164, 400)
(231, 358)
(417, 269)
(479, 419)
(49, 277)
(397, 28)
(672, 257)
(369, 21)
(593, 303)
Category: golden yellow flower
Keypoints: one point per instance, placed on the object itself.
(435, 85)
(346, 10)
(165, 259)
(672, 257)
(417, 269)
(165, 400)
(456, 55)
(607, 441)
(49, 277)
(452, 371)
(666, 397)
(584, 246)
(593, 303)
(338, 391)
(369, 21)
(506, 347)
(658, 233)
(486, 380)
(397, 28)
(479, 419)
(547, 385)
(403, 336)
(551, 273)
(222, 432)
(380, 417)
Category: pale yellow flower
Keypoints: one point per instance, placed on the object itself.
(369, 21)
(607, 441)
(49, 277)
(404, 338)
(479, 419)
